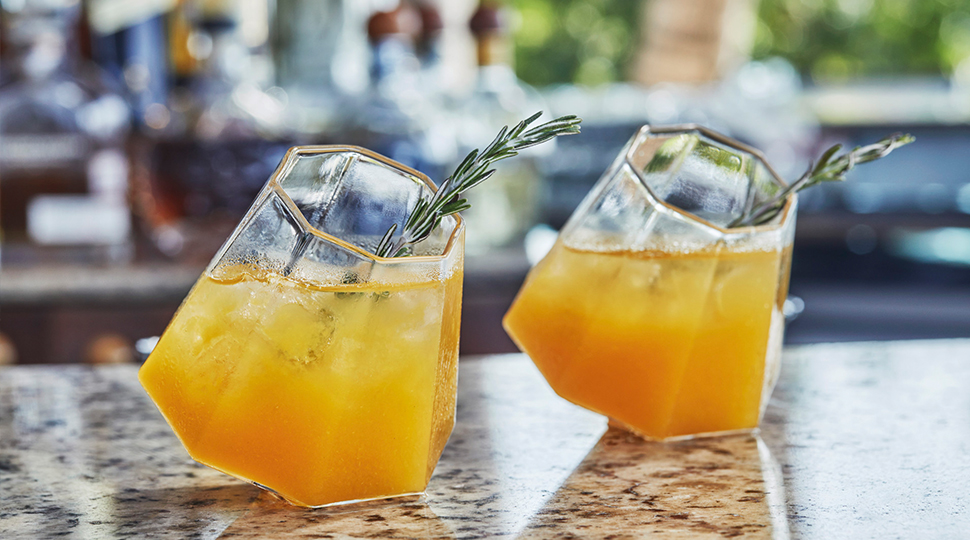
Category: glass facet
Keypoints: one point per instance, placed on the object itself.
(649, 309)
(302, 362)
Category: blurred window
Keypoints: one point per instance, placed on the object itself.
(592, 42)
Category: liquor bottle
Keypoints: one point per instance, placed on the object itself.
(429, 45)
(395, 116)
(63, 171)
(444, 113)
(320, 46)
(504, 208)
(205, 153)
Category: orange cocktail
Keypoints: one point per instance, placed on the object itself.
(296, 385)
(303, 362)
(654, 307)
(668, 344)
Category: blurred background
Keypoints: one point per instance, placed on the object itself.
(135, 134)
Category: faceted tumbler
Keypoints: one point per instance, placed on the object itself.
(650, 309)
(302, 362)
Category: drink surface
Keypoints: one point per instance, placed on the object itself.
(320, 394)
(668, 344)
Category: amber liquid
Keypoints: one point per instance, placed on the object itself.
(667, 344)
(320, 394)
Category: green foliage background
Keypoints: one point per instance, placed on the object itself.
(591, 42)
(833, 40)
(586, 42)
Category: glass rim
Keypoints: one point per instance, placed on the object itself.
(295, 152)
(786, 211)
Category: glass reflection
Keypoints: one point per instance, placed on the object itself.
(720, 486)
(401, 518)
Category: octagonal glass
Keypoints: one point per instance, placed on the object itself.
(649, 309)
(302, 362)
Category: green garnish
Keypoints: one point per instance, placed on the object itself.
(351, 278)
(473, 170)
(826, 170)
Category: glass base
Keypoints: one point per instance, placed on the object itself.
(397, 497)
(614, 423)
(403, 497)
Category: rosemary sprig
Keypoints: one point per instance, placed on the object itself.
(473, 170)
(826, 170)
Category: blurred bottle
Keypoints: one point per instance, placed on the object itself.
(508, 204)
(428, 47)
(320, 53)
(443, 115)
(63, 172)
(206, 152)
(395, 116)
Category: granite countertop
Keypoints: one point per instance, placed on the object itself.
(866, 440)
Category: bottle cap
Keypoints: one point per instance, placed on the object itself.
(382, 24)
(487, 19)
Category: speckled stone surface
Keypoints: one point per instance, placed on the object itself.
(866, 440)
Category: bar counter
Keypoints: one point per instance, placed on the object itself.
(864, 440)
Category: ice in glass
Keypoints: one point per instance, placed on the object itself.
(302, 362)
(650, 309)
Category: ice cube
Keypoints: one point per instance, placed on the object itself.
(301, 334)
(710, 184)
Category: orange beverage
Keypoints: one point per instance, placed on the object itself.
(668, 344)
(303, 362)
(322, 394)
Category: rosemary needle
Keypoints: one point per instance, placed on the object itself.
(473, 170)
(826, 170)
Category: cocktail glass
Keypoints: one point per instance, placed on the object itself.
(302, 362)
(650, 309)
